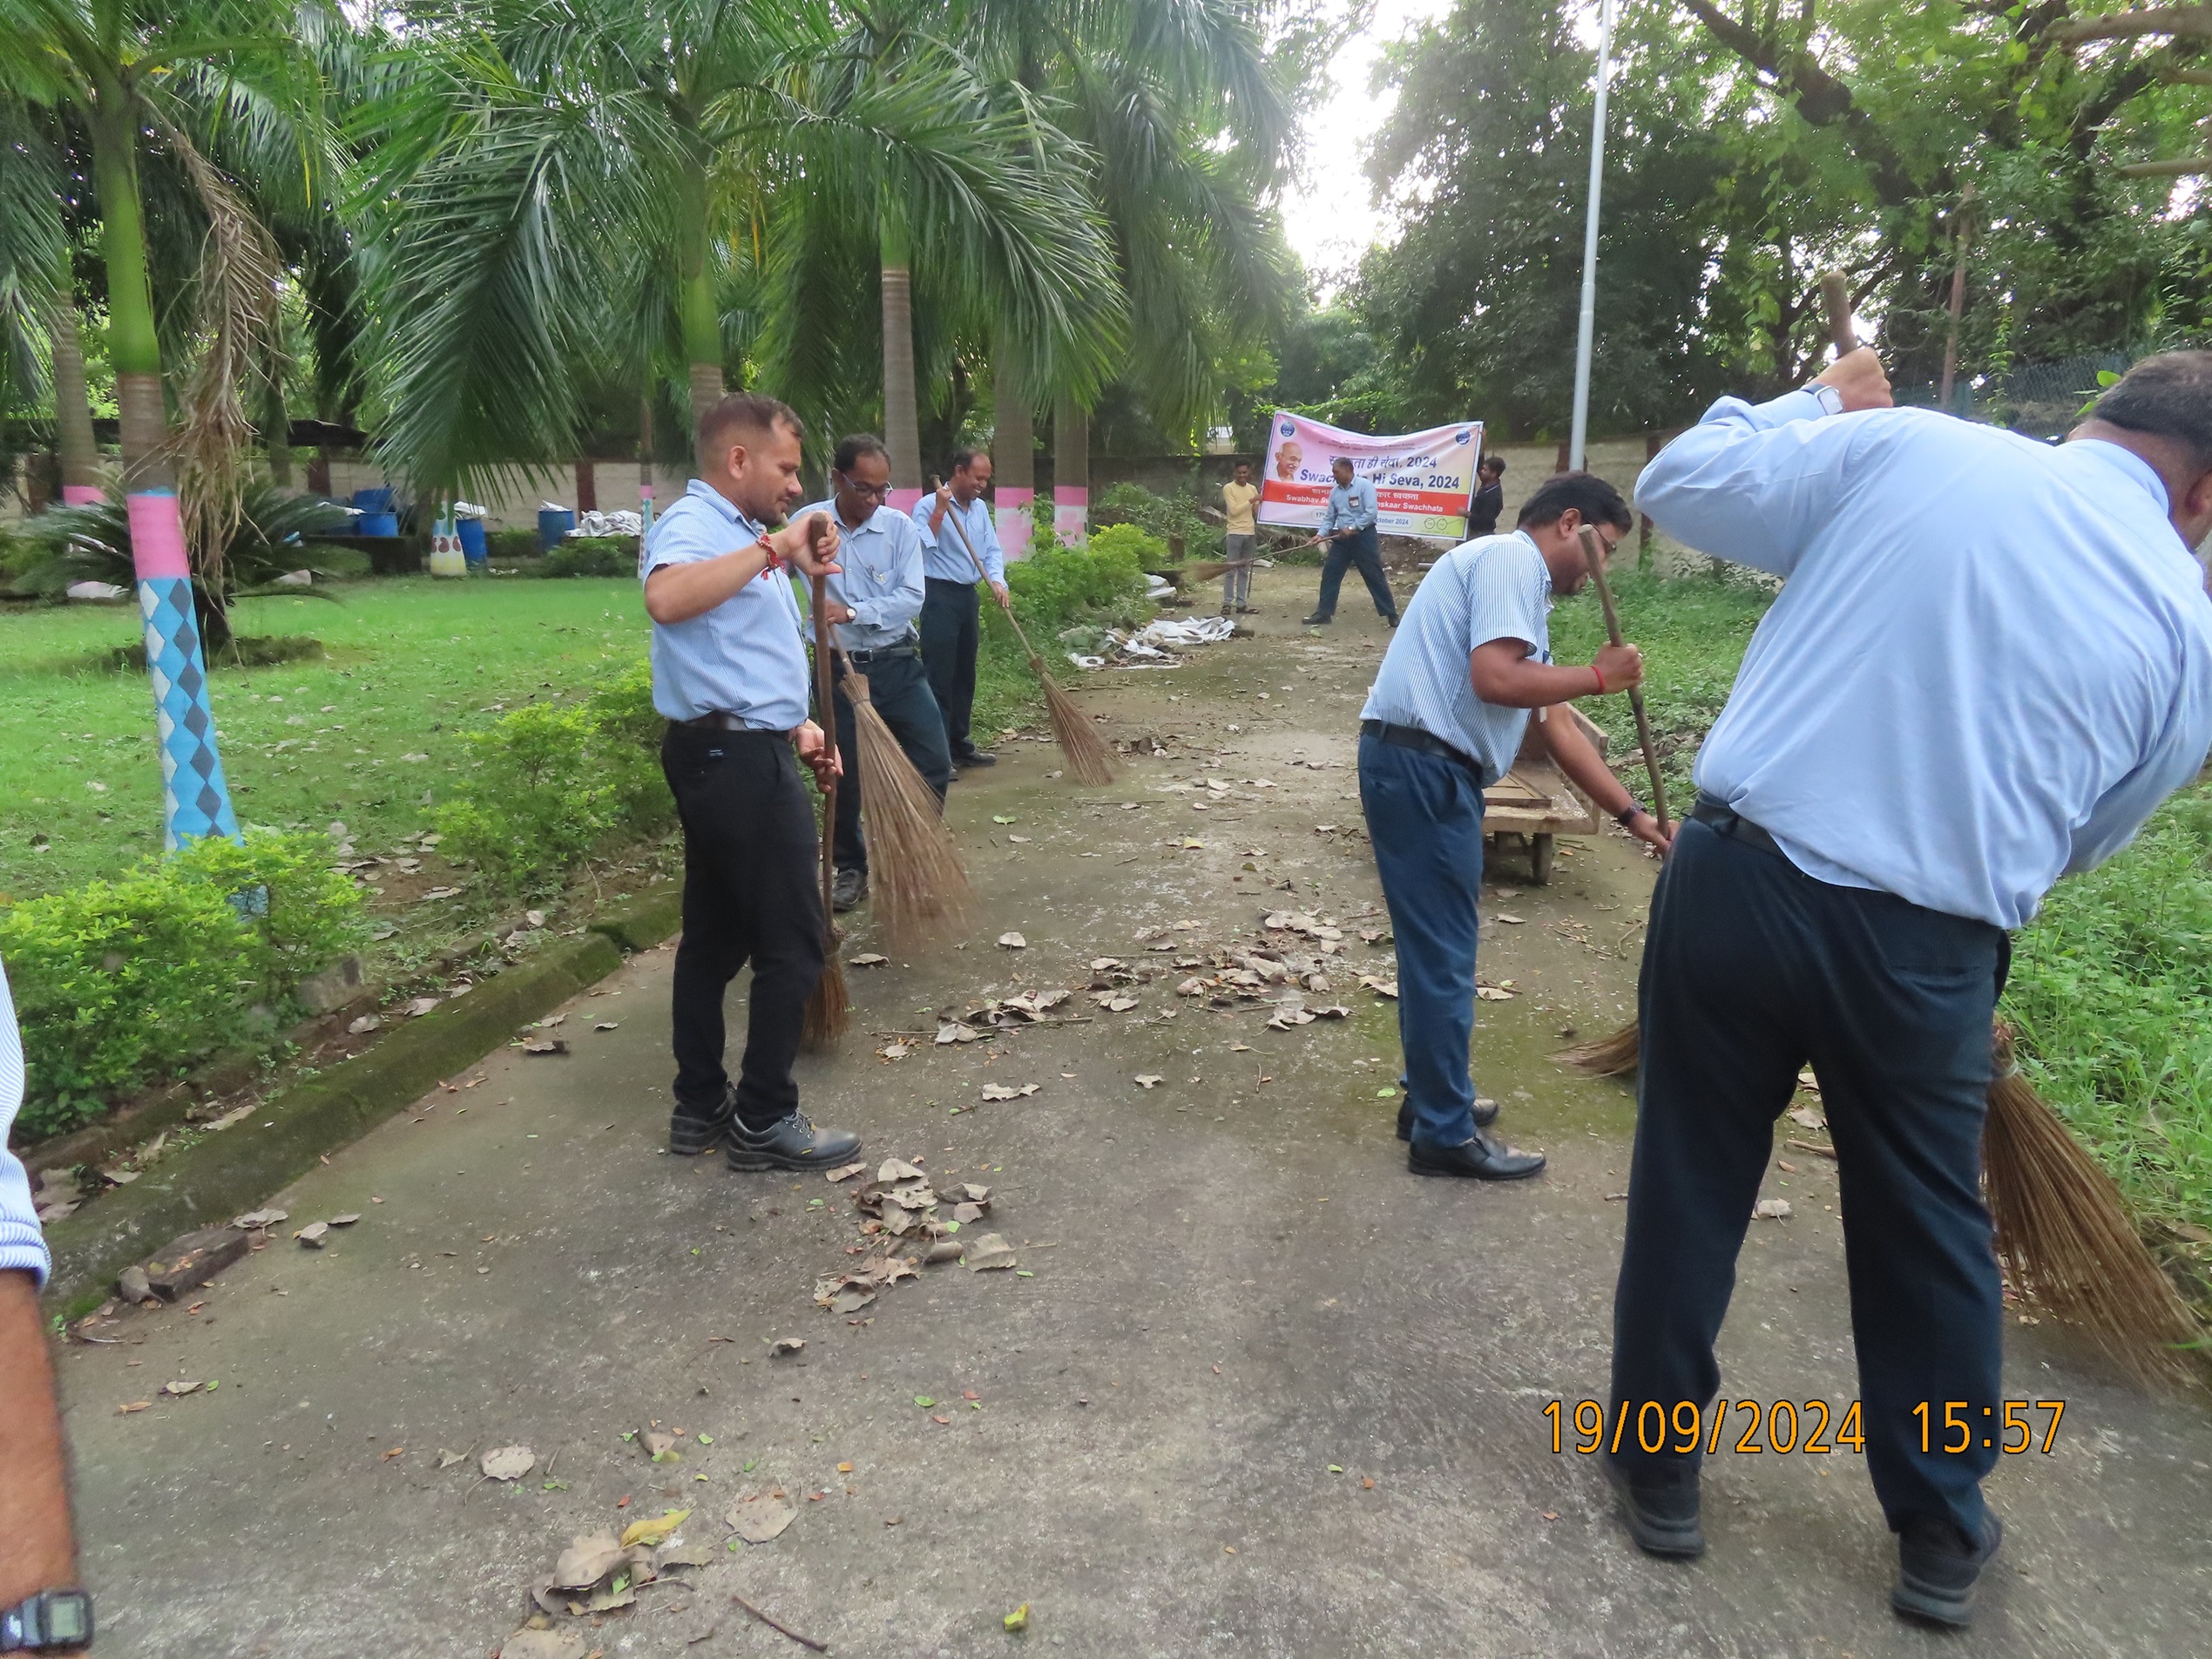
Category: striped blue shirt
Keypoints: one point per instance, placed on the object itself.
(1494, 587)
(1351, 506)
(1992, 660)
(944, 557)
(744, 656)
(879, 577)
(22, 1245)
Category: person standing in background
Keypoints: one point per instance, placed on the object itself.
(41, 1608)
(1490, 498)
(951, 621)
(1240, 508)
(1347, 529)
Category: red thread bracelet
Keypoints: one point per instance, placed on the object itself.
(776, 559)
(1598, 674)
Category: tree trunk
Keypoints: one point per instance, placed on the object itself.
(645, 461)
(1013, 456)
(276, 434)
(195, 797)
(77, 450)
(1071, 470)
(587, 486)
(902, 418)
(699, 314)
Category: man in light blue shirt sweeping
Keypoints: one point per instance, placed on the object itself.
(731, 675)
(957, 536)
(1445, 720)
(1348, 526)
(875, 598)
(1990, 660)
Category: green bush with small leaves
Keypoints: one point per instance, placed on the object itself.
(119, 982)
(593, 556)
(549, 782)
(1100, 580)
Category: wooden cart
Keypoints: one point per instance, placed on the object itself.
(1534, 802)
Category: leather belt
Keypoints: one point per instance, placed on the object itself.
(1414, 738)
(721, 722)
(1726, 820)
(881, 653)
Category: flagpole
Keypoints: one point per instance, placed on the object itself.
(1586, 323)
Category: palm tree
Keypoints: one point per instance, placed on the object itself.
(561, 194)
(132, 77)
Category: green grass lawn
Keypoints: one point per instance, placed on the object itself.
(367, 736)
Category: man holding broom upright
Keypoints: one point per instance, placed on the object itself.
(1992, 659)
(730, 673)
(875, 598)
(1445, 720)
(955, 521)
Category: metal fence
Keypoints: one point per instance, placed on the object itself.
(2042, 399)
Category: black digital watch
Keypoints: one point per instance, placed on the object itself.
(50, 1621)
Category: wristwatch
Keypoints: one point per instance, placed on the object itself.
(50, 1621)
(1627, 815)
(1831, 400)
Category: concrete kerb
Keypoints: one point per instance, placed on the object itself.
(235, 1171)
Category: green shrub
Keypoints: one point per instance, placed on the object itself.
(1162, 516)
(547, 783)
(1102, 580)
(593, 556)
(116, 982)
(511, 543)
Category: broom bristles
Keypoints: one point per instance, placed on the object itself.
(1083, 750)
(2064, 1234)
(825, 1020)
(1607, 1056)
(921, 886)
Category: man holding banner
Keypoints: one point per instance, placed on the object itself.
(1348, 526)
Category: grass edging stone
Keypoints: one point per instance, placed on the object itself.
(238, 1170)
(645, 924)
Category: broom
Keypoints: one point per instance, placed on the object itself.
(920, 885)
(1084, 751)
(825, 1020)
(1593, 553)
(2061, 1229)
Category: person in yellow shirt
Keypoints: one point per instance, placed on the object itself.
(1240, 503)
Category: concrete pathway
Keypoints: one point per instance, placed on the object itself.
(1256, 1390)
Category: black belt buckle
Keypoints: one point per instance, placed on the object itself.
(1723, 819)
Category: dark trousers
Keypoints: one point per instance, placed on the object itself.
(951, 628)
(1751, 969)
(1363, 548)
(1425, 819)
(751, 894)
(899, 688)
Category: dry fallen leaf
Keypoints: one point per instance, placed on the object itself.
(346, 1220)
(783, 1345)
(991, 1250)
(180, 1389)
(1771, 1209)
(134, 1406)
(1013, 941)
(844, 1172)
(542, 1644)
(312, 1234)
(893, 1170)
(1149, 1080)
(255, 1220)
(654, 1532)
(589, 1557)
(870, 959)
(446, 1460)
(545, 1045)
(759, 1518)
(507, 1463)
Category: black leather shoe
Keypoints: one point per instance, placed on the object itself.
(975, 757)
(1317, 619)
(1485, 1114)
(1661, 1513)
(1938, 1568)
(790, 1143)
(850, 888)
(1482, 1159)
(690, 1134)
(1392, 618)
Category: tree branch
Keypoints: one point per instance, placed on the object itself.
(2178, 169)
(2129, 25)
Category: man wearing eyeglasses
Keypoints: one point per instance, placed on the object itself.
(1445, 720)
(874, 600)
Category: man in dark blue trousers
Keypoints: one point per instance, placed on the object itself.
(1992, 660)
(1446, 718)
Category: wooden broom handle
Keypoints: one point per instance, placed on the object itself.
(1836, 298)
(828, 739)
(1594, 552)
(1026, 649)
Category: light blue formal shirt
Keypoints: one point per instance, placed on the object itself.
(744, 656)
(880, 577)
(944, 557)
(1991, 659)
(1493, 587)
(22, 1245)
(1351, 506)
